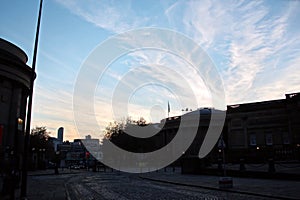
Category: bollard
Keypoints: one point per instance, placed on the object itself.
(55, 169)
(242, 165)
(220, 167)
(271, 166)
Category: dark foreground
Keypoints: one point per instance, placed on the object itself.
(77, 184)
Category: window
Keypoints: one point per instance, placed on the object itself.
(253, 140)
(269, 139)
(236, 123)
(285, 139)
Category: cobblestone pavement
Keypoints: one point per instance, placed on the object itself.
(277, 189)
(82, 184)
(130, 187)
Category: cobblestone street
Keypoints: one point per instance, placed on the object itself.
(129, 186)
(82, 185)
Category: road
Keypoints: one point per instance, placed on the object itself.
(122, 186)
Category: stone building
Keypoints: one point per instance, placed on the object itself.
(263, 130)
(15, 77)
(198, 120)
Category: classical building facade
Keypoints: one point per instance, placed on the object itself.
(14, 89)
(255, 132)
(263, 130)
(198, 120)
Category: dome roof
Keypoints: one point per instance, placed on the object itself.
(13, 50)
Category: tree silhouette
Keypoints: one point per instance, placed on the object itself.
(117, 133)
(41, 145)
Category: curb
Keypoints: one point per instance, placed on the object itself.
(218, 189)
(253, 174)
(67, 192)
(50, 174)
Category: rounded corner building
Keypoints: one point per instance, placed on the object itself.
(15, 77)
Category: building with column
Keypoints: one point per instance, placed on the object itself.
(198, 120)
(15, 77)
(262, 130)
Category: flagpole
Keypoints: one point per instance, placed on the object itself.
(168, 109)
(29, 109)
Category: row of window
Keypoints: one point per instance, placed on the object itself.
(268, 139)
(260, 121)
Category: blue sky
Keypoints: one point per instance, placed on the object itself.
(255, 46)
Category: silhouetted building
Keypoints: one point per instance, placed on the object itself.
(55, 142)
(14, 89)
(15, 78)
(262, 130)
(88, 137)
(60, 134)
(92, 146)
(200, 118)
(192, 125)
(80, 152)
(76, 155)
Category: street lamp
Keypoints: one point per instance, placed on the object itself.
(57, 159)
(224, 182)
(20, 124)
(29, 108)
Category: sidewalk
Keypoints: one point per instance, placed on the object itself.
(287, 168)
(45, 185)
(51, 172)
(278, 189)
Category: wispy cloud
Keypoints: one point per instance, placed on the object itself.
(245, 39)
(113, 16)
(53, 108)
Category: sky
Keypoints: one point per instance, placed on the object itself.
(253, 45)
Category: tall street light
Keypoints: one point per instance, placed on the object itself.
(29, 108)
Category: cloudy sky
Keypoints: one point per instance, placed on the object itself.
(253, 45)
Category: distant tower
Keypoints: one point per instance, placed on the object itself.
(88, 137)
(60, 134)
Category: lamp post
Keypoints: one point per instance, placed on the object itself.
(34, 159)
(221, 146)
(57, 161)
(29, 108)
(44, 158)
(223, 155)
(224, 181)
